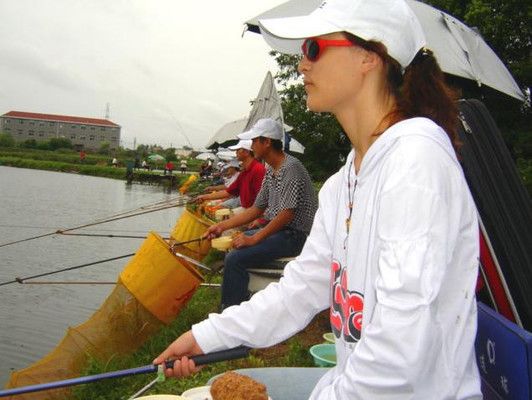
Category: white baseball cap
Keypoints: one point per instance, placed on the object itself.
(265, 127)
(233, 164)
(390, 22)
(242, 144)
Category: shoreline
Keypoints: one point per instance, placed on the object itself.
(120, 173)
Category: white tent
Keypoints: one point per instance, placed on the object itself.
(226, 155)
(205, 156)
(228, 133)
(266, 105)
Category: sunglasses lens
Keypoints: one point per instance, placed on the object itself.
(311, 49)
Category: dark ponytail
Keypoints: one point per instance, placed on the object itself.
(425, 93)
(420, 91)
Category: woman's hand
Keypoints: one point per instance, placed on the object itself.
(181, 349)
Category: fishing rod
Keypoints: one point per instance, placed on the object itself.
(106, 235)
(21, 280)
(186, 258)
(224, 355)
(60, 231)
(97, 283)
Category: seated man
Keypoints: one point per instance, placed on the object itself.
(249, 181)
(287, 202)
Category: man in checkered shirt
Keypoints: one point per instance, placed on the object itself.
(284, 207)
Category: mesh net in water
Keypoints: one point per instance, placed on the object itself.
(151, 291)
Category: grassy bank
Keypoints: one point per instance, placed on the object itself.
(294, 352)
(84, 169)
(67, 163)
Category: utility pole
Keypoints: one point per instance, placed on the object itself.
(107, 111)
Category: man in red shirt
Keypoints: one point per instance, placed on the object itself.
(248, 183)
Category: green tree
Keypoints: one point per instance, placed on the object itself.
(59, 143)
(504, 24)
(6, 140)
(325, 144)
(104, 148)
(169, 154)
(29, 144)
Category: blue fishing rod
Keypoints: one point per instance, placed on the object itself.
(224, 355)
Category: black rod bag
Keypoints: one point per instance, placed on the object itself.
(503, 203)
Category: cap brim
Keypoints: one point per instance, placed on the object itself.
(286, 35)
(251, 134)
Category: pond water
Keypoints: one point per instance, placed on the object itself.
(34, 317)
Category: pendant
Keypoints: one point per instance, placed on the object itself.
(347, 224)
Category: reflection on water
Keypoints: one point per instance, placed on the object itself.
(34, 317)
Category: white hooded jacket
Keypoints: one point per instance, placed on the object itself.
(400, 286)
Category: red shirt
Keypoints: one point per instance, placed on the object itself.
(248, 183)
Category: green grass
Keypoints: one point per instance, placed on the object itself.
(49, 165)
(66, 156)
(205, 301)
(36, 160)
(293, 352)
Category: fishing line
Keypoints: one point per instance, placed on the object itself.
(21, 280)
(90, 224)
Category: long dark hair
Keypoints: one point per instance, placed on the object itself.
(420, 92)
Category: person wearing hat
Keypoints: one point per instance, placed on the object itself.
(248, 183)
(229, 173)
(284, 209)
(393, 251)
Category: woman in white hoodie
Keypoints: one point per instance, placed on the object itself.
(393, 251)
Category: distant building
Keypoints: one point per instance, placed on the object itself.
(84, 133)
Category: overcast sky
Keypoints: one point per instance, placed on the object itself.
(168, 68)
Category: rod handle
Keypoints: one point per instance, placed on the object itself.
(223, 355)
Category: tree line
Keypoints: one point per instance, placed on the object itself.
(506, 27)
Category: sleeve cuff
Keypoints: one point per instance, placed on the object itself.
(206, 336)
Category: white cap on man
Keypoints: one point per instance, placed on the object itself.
(242, 144)
(265, 127)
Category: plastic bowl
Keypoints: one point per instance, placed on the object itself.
(328, 337)
(324, 354)
(222, 243)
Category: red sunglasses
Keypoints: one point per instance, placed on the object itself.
(313, 47)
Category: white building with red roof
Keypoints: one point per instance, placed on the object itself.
(84, 133)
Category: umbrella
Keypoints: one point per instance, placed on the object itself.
(460, 50)
(226, 155)
(228, 132)
(205, 156)
(157, 158)
(267, 104)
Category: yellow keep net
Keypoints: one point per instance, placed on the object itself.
(151, 291)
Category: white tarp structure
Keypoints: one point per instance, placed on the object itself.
(205, 156)
(266, 104)
(226, 154)
(228, 133)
